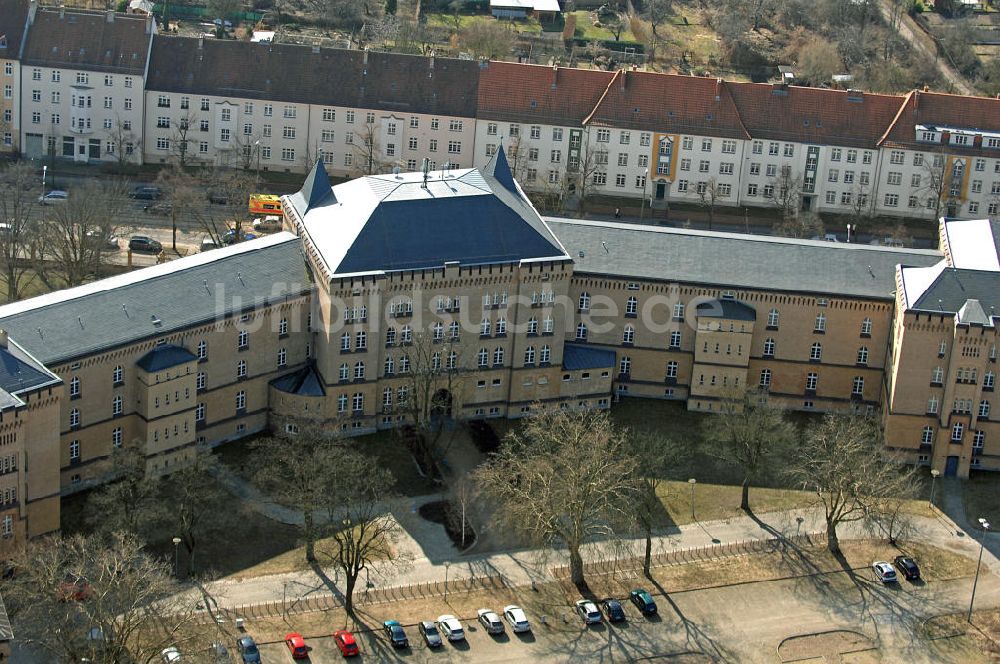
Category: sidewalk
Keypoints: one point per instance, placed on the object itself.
(521, 568)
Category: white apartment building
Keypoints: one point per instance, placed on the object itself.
(83, 75)
(270, 107)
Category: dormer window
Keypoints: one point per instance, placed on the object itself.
(961, 139)
(929, 136)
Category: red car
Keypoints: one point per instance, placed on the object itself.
(296, 645)
(345, 641)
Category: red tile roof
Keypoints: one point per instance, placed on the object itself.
(515, 92)
(942, 110)
(669, 103)
(814, 115)
(83, 39)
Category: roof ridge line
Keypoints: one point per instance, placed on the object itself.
(600, 100)
(895, 119)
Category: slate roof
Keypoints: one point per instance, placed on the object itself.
(154, 301)
(938, 109)
(515, 92)
(814, 115)
(727, 309)
(952, 288)
(83, 39)
(305, 383)
(165, 357)
(13, 18)
(297, 74)
(393, 222)
(669, 103)
(729, 260)
(580, 356)
(19, 371)
(972, 313)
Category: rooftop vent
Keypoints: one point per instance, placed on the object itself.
(156, 321)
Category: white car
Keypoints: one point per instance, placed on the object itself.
(884, 572)
(490, 621)
(53, 197)
(514, 615)
(588, 611)
(268, 223)
(451, 628)
(170, 655)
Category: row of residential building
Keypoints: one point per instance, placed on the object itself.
(449, 283)
(102, 86)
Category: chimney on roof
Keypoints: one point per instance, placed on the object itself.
(718, 89)
(927, 88)
(110, 16)
(555, 76)
(430, 61)
(624, 75)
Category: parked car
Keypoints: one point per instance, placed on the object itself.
(146, 193)
(98, 239)
(908, 566)
(884, 572)
(588, 611)
(207, 244)
(54, 197)
(396, 634)
(230, 237)
(345, 643)
(144, 244)
(643, 601)
(614, 610)
(247, 647)
(450, 627)
(296, 645)
(170, 655)
(161, 209)
(429, 631)
(514, 615)
(217, 198)
(490, 621)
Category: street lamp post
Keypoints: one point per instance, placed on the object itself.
(982, 544)
(851, 227)
(176, 541)
(446, 566)
(934, 475)
(642, 206)
(692, 482)
(45, 171)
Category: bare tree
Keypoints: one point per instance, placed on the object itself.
(563, 478)
(73, 235)
(230, 223)
(122, 141)
(842, 461)
(588, 171)
(787, 194)
(90, 599)
(487, 39)
(18, 235)
(128, 502)
(190, 500)
(182, 192)
(363, 530)
(368, 157)
(709, 194)
(301, 471)
(753, 433)
(659, 454)
(658, 11)
(934, 187)
(181, 142)
(804, 225)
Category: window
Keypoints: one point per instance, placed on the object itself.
(74, 450)
(631, 305)
(74, 387)
(957, 432)
(584, 301)
(581, 332)
(988, 380)
(984, 409)
(243, 341)
(706, 145)
(894, 178)
(927, 436)
(529, 355)
(820, 325)
(117, 376)
(765, 378)
(858, 386)
(241, 400)
(896, 157)
(675, 339)
(932, 405)
(200, 380)
(863, 355)
(359, 371)
(812, 379)
(74, 418)
(358, 402)
(769, 347)
(287, 154)
(816, 352)
(282, 357)
(482, 357)
(671, 369)
(628, 335)
(866, 327)
(241, 369)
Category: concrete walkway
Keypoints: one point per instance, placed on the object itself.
(521, 568)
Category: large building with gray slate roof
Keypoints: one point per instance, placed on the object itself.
(399, 296)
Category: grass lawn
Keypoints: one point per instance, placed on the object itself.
(714, 502)
(447, 21)
(981, 494)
